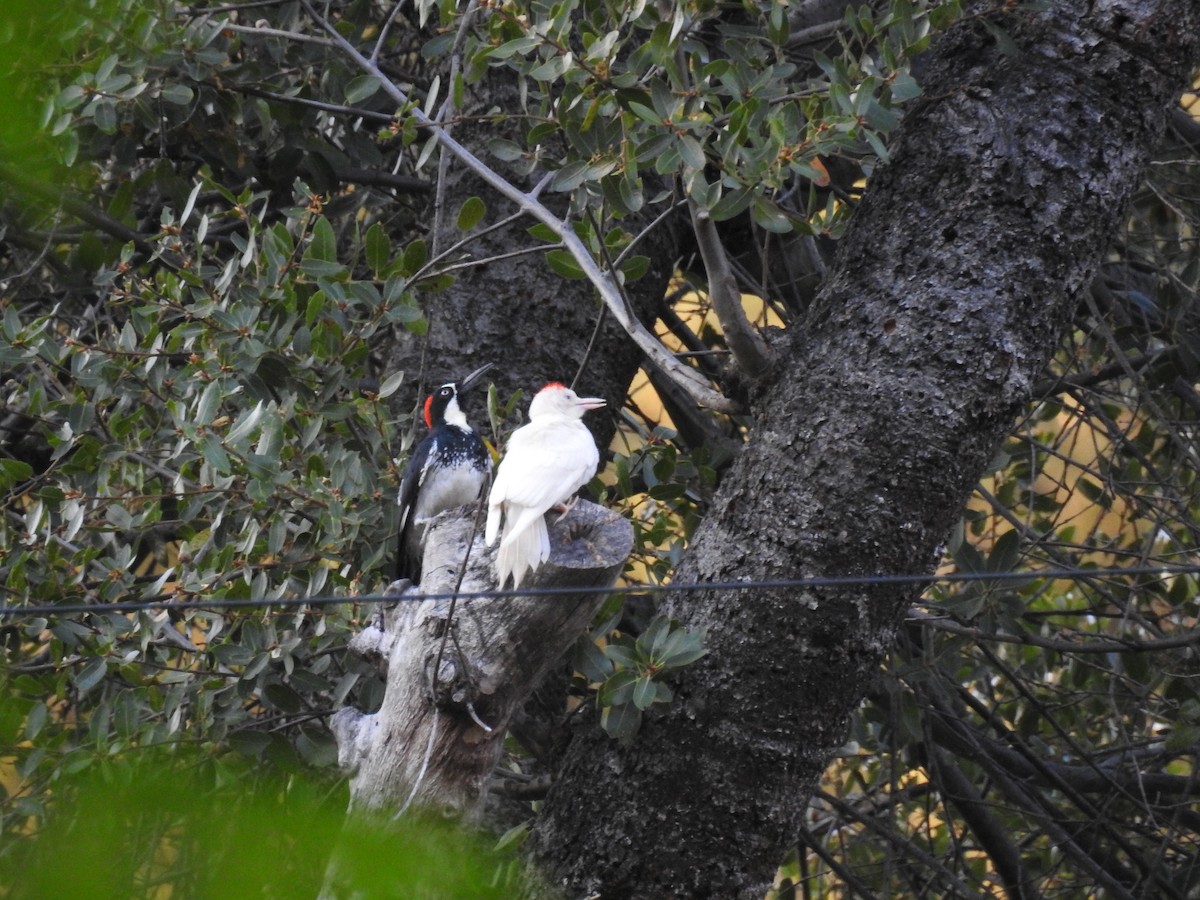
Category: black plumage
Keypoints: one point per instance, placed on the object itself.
(448, 468)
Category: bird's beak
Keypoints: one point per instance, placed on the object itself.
(470, 380)
(592, 402)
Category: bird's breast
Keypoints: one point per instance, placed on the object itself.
(455, 478)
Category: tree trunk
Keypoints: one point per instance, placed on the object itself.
(967, 257)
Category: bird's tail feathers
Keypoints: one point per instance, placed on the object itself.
(522, 549)
(492, 528)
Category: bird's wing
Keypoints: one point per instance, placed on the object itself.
(544, 466)
(414, 473)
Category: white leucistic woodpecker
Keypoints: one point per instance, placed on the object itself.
(447, 469)
(547, 460)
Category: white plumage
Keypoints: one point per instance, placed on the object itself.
(547, 460)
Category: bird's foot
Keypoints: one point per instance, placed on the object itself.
(563, 509)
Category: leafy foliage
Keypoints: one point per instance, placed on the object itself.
(620, 95)
(632, 670)
(207, 441)
(663, 489)
(209, 228)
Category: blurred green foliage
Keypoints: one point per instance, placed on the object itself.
(186, 825)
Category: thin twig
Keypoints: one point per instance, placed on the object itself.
(383, 32)
(267, 31)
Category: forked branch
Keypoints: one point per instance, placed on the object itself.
(697, 387)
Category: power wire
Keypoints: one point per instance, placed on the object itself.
(7, 611)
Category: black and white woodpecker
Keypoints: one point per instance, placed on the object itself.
(447, 469)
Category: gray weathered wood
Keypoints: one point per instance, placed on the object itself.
(434, 742)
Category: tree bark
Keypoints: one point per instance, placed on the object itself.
(966, 259)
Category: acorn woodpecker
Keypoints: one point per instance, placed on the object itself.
(547, 460)
(447, 469)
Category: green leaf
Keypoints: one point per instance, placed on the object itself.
(361, 88)
(36, 720)
(506, 150)
(542, 232)
(210, 399)
(178, 94)
(644, 692)
(668, 492)
(570, 176)
(618, 689)
(471, 213)
(13, 472)
(686, 654)
(104, 114)
(634, 268)
(777, 24)
(1006, 552)
(283, 697)
(591, 661)
(769, 217)
(249, 743)
(379, 249)
(91, 674)
(414, 257)
(321, 268)
(650, 639)
(215, 455)
(621, 654)
(691, 152)
(245, 424)
(904, 87)
(513, 838)
(323, 244)
(731, 204)
(621, 722)
(390, 385)
(564, 264)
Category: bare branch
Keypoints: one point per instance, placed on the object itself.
(274, 32)
(1108, 645)
(890, 836)
(748, 347)
(697, 387)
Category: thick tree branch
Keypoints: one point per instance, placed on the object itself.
(92, 216)
(749, 349)
(958, 790)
